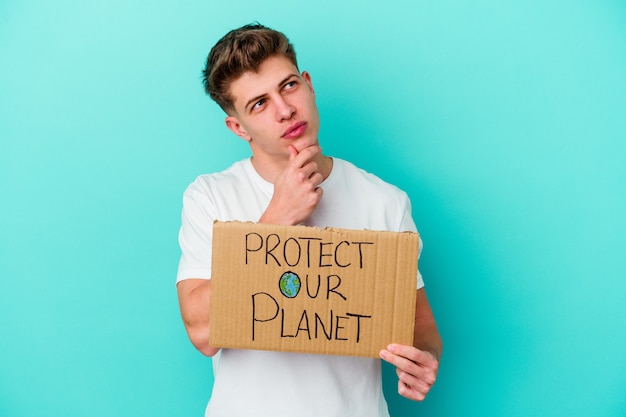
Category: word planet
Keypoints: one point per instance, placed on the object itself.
(289, 284)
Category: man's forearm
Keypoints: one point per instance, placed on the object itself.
(426, 335)
(194, 296)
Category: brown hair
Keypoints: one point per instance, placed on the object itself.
(239, 51)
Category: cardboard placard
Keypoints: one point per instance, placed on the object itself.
(305, 289)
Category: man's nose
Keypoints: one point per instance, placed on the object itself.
(285, 110)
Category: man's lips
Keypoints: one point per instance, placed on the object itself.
(294, 131)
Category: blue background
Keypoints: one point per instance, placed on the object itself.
(504, 121)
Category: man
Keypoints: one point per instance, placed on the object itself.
(252, 73)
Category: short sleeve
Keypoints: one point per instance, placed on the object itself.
(407, 224)
(196, 233)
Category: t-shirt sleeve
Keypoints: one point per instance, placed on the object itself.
(407, 224)
(196, 233)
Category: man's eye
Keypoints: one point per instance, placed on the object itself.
(258, 104)
(290, 85)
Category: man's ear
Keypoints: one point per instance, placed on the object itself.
(233, 124)
(307, 78)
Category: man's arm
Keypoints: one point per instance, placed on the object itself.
(417, 365)
(194, 297)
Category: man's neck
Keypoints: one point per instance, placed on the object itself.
(270, 170)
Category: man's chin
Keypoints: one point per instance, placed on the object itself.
(302, 143)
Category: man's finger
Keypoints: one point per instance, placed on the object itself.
(316, 179)
(293, 152)
(425, 358)
(421, 357)
(410, 392)
(305, 154)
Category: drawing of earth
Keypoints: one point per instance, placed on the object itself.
(289, 284)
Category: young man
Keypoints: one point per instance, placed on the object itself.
(253, 75)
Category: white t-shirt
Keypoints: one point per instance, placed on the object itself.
(277, 384)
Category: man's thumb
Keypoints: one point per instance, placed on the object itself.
(293, 152)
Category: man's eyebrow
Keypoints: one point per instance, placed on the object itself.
(280, 84)
(284, 81)
(252, 100)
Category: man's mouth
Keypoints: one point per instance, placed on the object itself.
(295, 130)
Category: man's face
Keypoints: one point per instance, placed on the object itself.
(274, 108)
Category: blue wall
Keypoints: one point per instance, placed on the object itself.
(504, 121)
